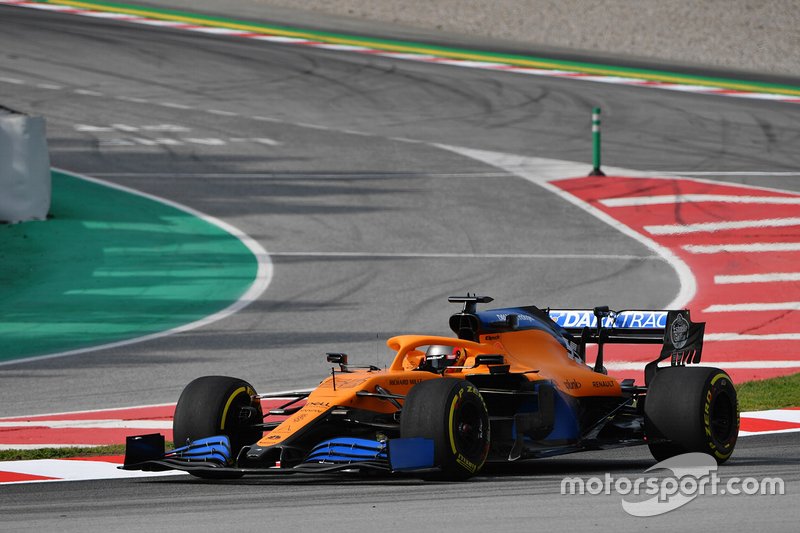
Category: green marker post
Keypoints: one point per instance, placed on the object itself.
(596, 143)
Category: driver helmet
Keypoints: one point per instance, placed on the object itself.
(438, 357)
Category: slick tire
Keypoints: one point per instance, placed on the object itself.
(213, 405)
(691, 409)
(453, 414)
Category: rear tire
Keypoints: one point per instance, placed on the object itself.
(691, 409)
(453, 414)
(211, 406)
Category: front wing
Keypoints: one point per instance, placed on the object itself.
(212, 457)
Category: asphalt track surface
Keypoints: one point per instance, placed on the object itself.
(338, 191)
(521, 498)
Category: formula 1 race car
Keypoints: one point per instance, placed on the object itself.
(513, 385)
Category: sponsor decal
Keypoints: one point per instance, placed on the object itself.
(679, 332)
(404, 381)
(572, 384)
(348, 383)
(521, 317)
(573, 352)
(707, 417)
(624, 319)
(466, 463)
(316, 407)
(608, 383)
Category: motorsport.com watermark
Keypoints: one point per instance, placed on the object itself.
(693, 475)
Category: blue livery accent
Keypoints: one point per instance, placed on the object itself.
(565, 425)
(210, 449)
(525, 319)
(584, 318)
(410, 454)
(347, 450)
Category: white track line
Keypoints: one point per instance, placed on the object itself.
(711, 227)
(102, 410)
(732, 173)
(540, 171)
(115, 16)
(90, 424)
(412, 255)
(172, 105)
(343, 47)
(44, 445)
(222, 112)
(688, 284)
(219, 31)
(255, 34)
(280, 39)
(743, 433)
(309, 176)
(273, 395)
(45, 7)
(776, 306)
(781, 415)
(753, 247)
(163, 23)
(757, 278)
(260, 283)
(70, 470)
(727, 337)
(635, 201)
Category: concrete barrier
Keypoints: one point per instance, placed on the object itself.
(24, 168)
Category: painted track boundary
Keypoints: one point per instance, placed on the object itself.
(79, 469)
(464, 58)
(261, 281)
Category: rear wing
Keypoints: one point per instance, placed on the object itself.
(681, 339)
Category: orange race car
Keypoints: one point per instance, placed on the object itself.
(513, 385)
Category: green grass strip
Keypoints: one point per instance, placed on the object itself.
(774, 393)
(440, 51)
(61, 453)
(109, 266)
(66, 453)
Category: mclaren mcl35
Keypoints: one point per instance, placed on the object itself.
(512, 384)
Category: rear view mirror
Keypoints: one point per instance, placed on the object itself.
(493, 359)
(337, 358)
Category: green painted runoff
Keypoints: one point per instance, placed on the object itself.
(109, 266)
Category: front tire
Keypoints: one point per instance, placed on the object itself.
(691, 409)
(213, 405)
(453, 414)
